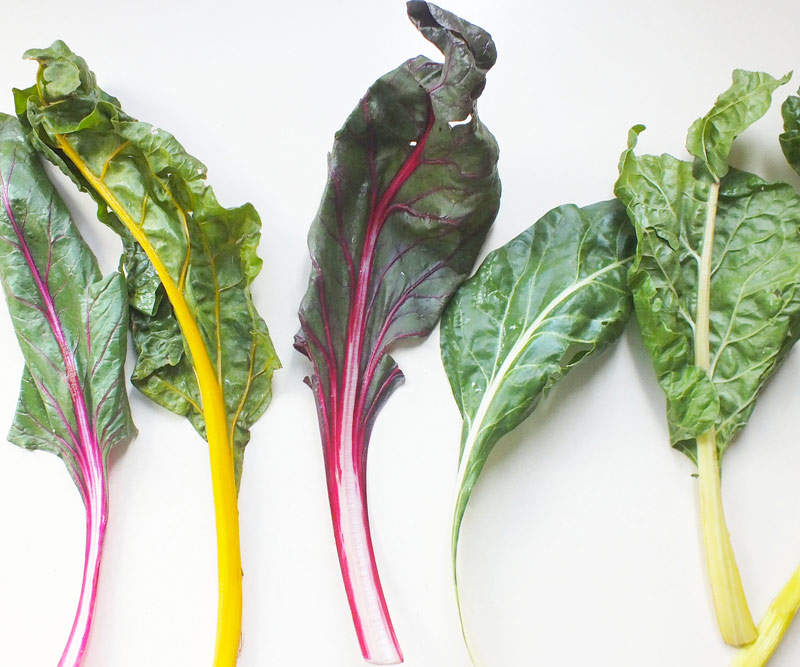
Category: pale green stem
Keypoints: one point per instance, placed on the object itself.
(472, 440)
(470, 651)
(733, 616)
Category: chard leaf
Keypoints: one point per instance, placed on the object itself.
(208, 251)
(710, 138)
(411, 194)
(535, 308)
(715, 288)
(203, 350)
(784, 606)
(752, 283)
(790, 139)
(71, 324)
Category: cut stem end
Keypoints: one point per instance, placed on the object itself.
(733, 615)
(773, 626)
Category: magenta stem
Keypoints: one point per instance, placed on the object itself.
(88, 454)
(346, 451)
(96, 519)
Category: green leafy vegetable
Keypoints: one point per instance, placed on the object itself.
(536, 307)
(203, 350)
(715, 286)
(790, 139)
(412, 191)
(785, 605)
(71, 324)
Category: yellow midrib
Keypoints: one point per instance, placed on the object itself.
(221, 453)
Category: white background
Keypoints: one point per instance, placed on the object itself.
(581, 544)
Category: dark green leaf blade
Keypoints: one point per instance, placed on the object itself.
(790, 139)
(72, 326)
(536, 307)
(107, 333)
(71, 323)
(754, 298)
(31, 426)
(757, 279)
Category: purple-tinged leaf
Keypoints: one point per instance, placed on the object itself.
(412, 191)
(71, 324)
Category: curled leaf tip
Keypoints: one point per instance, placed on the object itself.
(385, 264)
(711, 137)
(444, 27)
(469, 54)
(56, 49)
(633, 135)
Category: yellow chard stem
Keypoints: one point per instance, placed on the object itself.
(229, 564)
(773, 626)
(733, 615)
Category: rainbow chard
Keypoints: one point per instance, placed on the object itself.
(535, 308)
(71, 324)
(411, 194)
(203, 350)
(716, 290)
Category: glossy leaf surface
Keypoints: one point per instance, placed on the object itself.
(536, 307)
(412, 191)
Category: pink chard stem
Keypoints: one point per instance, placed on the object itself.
(86, 450)
(96, 518)
(412, 191)
(347, 479)
(348, 501)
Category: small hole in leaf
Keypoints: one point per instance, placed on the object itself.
(453, 123)
(412, 143)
